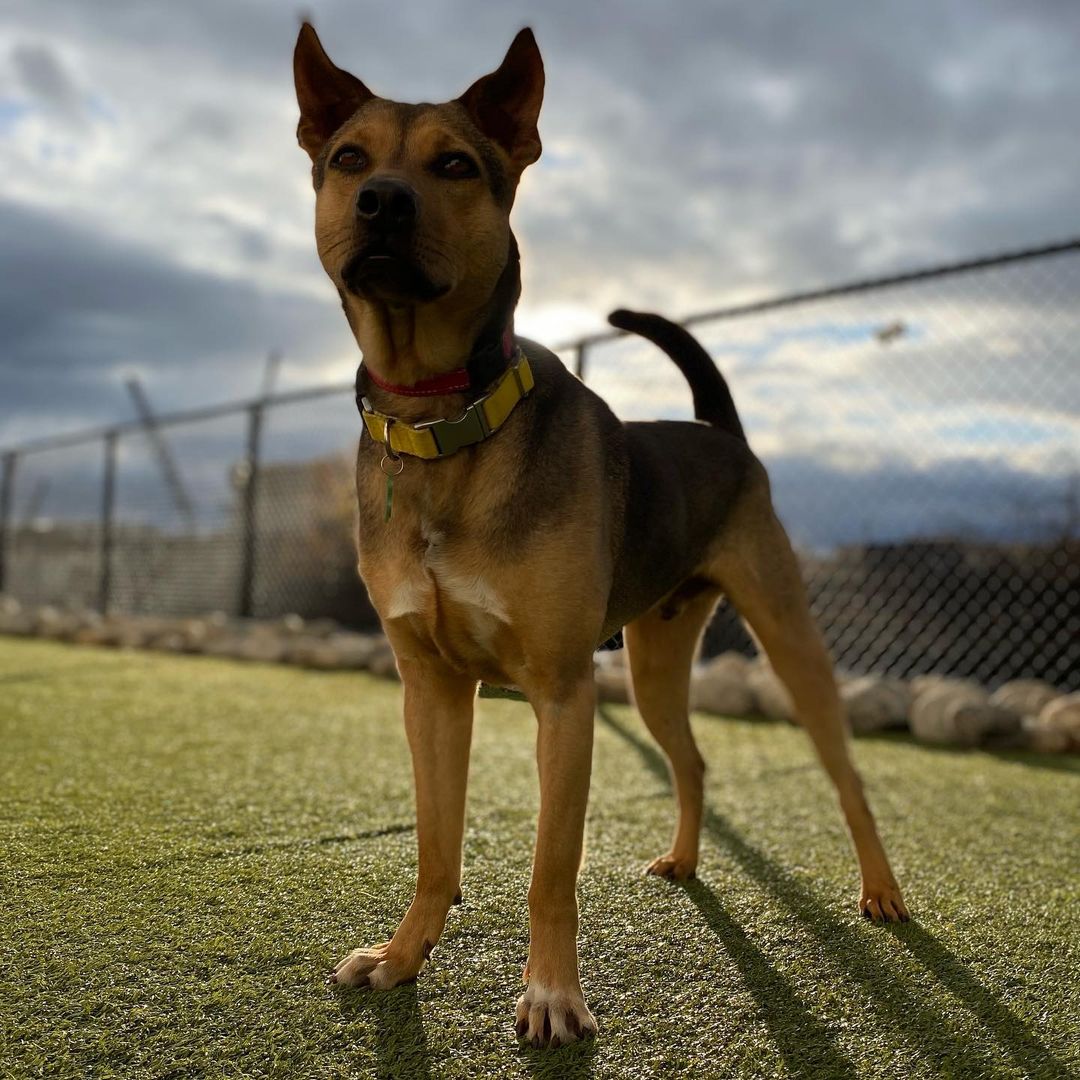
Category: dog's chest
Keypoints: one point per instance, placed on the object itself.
(441, 587)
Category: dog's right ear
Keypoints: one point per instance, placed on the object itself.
(327, 95)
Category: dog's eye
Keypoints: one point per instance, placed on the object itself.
(349, 157)
(455, 166)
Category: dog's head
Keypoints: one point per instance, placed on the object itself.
(413, 201)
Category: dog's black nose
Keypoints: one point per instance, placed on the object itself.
(386, 203)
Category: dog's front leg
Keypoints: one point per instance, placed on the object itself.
(438, 722)
(552, 1011)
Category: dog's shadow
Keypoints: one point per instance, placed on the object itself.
(573, 1062)
(400, 1044)
(401, 1047)
(884, 991)
(804, 1042)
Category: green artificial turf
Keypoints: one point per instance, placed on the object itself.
(189, 844)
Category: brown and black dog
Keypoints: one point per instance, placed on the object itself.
(509, 522)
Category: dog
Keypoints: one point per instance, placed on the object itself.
(509, 523)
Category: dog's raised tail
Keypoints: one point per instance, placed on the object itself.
(712, 398)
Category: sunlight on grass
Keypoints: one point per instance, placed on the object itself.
(189, 845)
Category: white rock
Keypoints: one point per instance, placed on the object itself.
(986, 724)
(1026, 696)
(958, 712)
(876, 703)
(1063, 715)
(46, 620)
(721, 686)
(196, 633)
(920, 684)
(225, 645)
(144, 631)
(174, 642)
(13, 620)
(341, 650)
(612, 684)
(934, 708)
(355, 650)
(771, 697)
(91, 634)
(382, 662)
(264, 649)
(1046, 740)
(291, 624)
(125, 632)
(305, 651)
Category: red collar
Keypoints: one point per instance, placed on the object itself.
(454, 382)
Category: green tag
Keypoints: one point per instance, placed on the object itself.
(389, 497)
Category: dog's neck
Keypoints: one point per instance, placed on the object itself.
(405, 346)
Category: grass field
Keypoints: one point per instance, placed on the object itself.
(189, 844)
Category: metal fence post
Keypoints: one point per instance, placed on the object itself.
(7, 491)
(248, 526)
(108, 500)
(579, 360)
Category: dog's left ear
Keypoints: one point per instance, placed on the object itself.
(505, 104)
(327, 95)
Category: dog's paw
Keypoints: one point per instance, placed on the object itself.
(883, 903)
(553, 1018)
(379, 968)
(672, 867)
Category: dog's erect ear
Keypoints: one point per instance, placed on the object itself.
(505, 104)
(327, 95)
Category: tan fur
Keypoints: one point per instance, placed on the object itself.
(463, 232)
(661, 652)
(459, 605)
(754, 562)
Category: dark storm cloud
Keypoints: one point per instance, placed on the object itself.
(692, 152)
(41, 73)
(80, 310)
(782, 145)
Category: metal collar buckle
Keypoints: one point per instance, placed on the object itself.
(465, 430)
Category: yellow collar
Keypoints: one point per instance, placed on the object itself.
(440, 438)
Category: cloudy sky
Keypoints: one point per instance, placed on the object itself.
(155, 211)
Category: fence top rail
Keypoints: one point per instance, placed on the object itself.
(756, 307)
(184, 416)
(211, 412)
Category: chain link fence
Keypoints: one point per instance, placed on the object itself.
(922, 434)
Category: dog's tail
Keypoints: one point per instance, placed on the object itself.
(712, 398)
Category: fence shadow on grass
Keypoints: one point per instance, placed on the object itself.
(400, 1044)
(884, 992)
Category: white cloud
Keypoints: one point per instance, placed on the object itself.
(731, 153)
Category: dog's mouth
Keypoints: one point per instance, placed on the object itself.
(378, 272)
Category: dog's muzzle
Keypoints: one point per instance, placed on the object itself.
(385, 268)
(387, 206)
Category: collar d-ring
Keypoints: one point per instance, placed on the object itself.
(390, 458)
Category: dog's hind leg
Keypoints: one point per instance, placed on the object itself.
(661, 647)
(758, 571)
